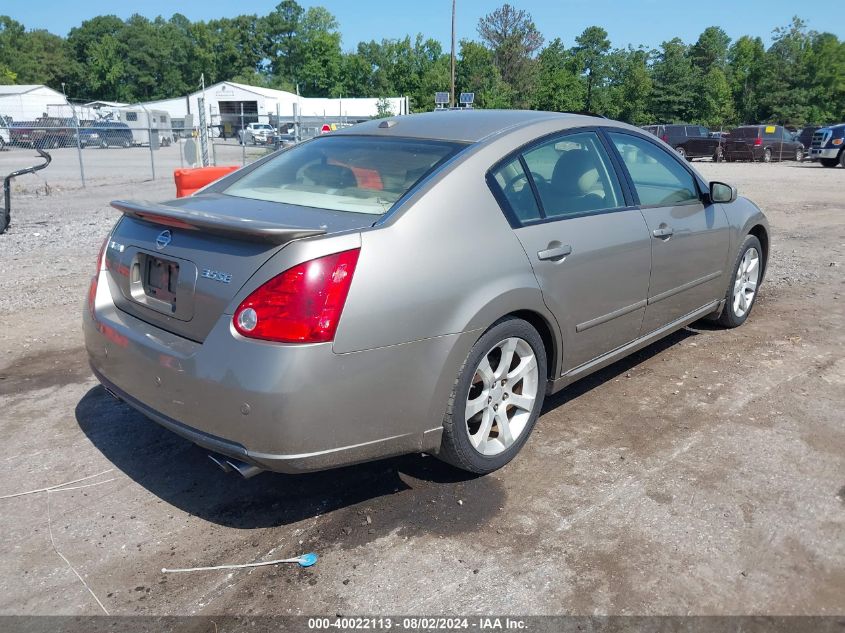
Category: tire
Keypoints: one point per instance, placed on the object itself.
(842, 158)
(718, 156)
(737, 309)
(2, 144)
(483, 451)
(767, 156)
(5, 220)
(127, 144)
(799, 155)
(681, 152)
(830, 162)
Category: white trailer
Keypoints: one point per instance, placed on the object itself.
(144, 122)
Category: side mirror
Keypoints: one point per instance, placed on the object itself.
(720, 192)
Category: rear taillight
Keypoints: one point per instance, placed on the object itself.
(665, 138)
(302, 304)
(92, 289)
(758, 142)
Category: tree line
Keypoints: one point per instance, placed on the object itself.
(798, 79)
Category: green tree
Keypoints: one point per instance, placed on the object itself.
(674, 83)
(475, 72)
(745, 67)
(513, 38)
(590, 51)
(559, 88)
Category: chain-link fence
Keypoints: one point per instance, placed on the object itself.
(101, 143)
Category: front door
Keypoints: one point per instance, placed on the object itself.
(589, 249)
(689, 239)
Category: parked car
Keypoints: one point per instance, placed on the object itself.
(256, 133)
(44, 132)
(105, 134)
(763, 143)
(690, 141)
(828, 145)
(415, 284)
(5, 124)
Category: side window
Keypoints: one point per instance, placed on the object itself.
(658, 177)
(513, 184)
(131, 116)
(573, 175)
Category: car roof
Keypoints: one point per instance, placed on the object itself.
(468, 126)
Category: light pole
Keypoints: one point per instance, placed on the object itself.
(452, 91)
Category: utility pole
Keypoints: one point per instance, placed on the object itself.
(452, 91)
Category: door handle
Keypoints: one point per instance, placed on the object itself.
(663, 232)
(555, 253)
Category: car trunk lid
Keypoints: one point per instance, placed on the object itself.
(179, 265)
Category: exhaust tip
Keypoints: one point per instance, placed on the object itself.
(220, 462)
(243, 469)
(229, 464)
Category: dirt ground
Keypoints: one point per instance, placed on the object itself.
(704, 475)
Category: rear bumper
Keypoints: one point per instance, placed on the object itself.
(287, 408)
(832, 152)
(749, 153)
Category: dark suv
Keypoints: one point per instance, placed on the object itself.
(105, 134)
(690, 141)
(763, 143)
(828, 146)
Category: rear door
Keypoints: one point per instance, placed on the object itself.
(588, 246)
(689, 240)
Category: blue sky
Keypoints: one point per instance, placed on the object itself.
(646, 22)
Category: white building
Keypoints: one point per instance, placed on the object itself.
(28, 102)
(226, 100)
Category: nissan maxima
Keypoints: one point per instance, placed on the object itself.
(414, 284)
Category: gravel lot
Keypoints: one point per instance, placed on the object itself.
(705, 475)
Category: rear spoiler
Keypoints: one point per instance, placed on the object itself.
(227, 225)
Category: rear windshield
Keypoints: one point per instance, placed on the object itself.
(361, 174)
(745, 132)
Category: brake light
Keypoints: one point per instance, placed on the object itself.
(665, 138)
(92, 288)
(302, 304)
(758, 142)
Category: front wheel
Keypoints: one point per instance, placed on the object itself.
(496, 399)
(799, 154)
(829, 162)
(745, 281)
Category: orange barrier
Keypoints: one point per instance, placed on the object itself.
(190, 180)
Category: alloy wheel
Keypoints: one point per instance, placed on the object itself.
(501, 396)
(745, 284)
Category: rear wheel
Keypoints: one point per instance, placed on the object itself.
(718, 155)
(681, 151)
(767, 156)
(742, 290)
(496, 399)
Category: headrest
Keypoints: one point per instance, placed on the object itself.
(330, 176)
